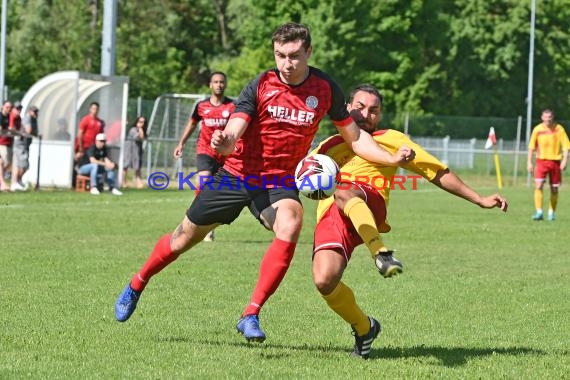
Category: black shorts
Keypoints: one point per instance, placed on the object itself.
(209, 163)
(224, 196)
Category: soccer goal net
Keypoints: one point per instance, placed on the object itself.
(169, 116)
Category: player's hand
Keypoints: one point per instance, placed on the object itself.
(493, 201)
(404, 155)
(178, 151)
(529, 168)
(219, 141)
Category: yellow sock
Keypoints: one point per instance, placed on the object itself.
(553, 201)
(538, 199)
(363, 220)
(342, 301)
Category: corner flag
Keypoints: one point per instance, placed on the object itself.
(492, 142)
(492, 139)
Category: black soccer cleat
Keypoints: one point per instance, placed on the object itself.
(388, 265)
(363, 344)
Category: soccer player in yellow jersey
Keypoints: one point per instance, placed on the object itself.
(357, 212)
(550, 141)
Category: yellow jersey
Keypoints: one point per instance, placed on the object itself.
(549, 143)
(381, 177)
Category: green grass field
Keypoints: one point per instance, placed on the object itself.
(484, 294)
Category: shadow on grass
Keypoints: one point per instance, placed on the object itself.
(447, 356)
(242, 343)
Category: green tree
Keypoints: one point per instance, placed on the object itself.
(443, 57)
(552, 67)
(487, 60)
(166, 46)
(379, 43)
(57, 35)
(252, 23)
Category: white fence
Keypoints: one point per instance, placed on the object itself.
(172, 111)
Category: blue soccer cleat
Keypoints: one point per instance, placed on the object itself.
(551, 217)
(538, 216)
(126, 303)
(248, 326)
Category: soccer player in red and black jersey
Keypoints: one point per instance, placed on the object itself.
(213, 112)
(271, 130)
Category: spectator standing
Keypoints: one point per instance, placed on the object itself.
(89, 127)
(6, 141)
(22, 147)
(134, 151)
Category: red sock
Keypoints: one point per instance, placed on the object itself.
(273, 267)
(160, 257)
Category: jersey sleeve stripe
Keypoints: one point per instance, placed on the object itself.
(240, 115)
(342, 123)
(379, 132)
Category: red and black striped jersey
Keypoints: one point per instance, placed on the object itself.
(283, 120)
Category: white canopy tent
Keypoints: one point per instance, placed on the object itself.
(63, 98)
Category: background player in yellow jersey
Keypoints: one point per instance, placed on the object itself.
(550, 141)
(357, 212)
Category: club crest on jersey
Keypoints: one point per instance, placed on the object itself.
(225, 113)
(312, 102)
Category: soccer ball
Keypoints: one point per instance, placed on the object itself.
(315, 176)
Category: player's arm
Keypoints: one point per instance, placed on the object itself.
(450, 182)
(224, 142)
(361, 142)
(364, 145)
(531, 149)
(188, 130)
(529, 159)
(565, 148)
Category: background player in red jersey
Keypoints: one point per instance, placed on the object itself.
(275, 120)
(213, 112)
(357, 212)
